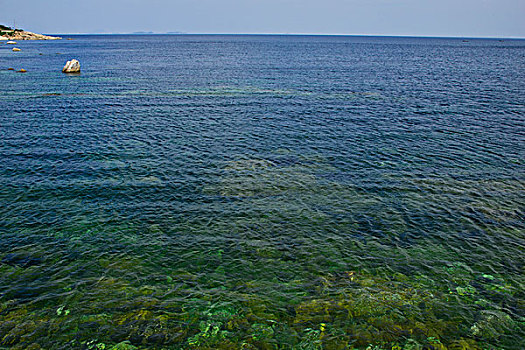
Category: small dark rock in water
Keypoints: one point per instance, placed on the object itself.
(10, 68)
(157, 338)
(23, 294)
(89, 325)
(136, 339)
(120, 335)
(285, 161)
(291, 311)
(21, 260)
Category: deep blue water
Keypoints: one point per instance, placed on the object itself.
(263, 192)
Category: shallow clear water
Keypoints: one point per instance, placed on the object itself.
(263, 192)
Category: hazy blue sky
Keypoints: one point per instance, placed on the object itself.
(501, 18)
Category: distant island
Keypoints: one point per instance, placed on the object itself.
(7, 33)
(156, 33)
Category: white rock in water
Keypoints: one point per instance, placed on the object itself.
(11, 42)
(16, 49)
(72, 66)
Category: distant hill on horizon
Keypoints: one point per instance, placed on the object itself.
(148, 33)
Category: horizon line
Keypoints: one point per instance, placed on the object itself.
(305, 34)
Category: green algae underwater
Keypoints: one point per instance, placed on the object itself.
(275, 193)
(233, 285)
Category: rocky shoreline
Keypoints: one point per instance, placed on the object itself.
(24, 35)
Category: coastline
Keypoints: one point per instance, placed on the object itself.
(25, 35)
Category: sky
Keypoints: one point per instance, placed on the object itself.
(457, 18)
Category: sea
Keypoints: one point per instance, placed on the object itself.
(262, 192)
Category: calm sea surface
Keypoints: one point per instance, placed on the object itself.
(263, 192)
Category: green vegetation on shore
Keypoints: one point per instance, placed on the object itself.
(5, 30)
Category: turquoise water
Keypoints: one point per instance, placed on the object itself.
(263, 192)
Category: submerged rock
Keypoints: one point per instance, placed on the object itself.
(72, 66)
(23, 294)
(492, 324)
(21, 260)
(22, 71)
